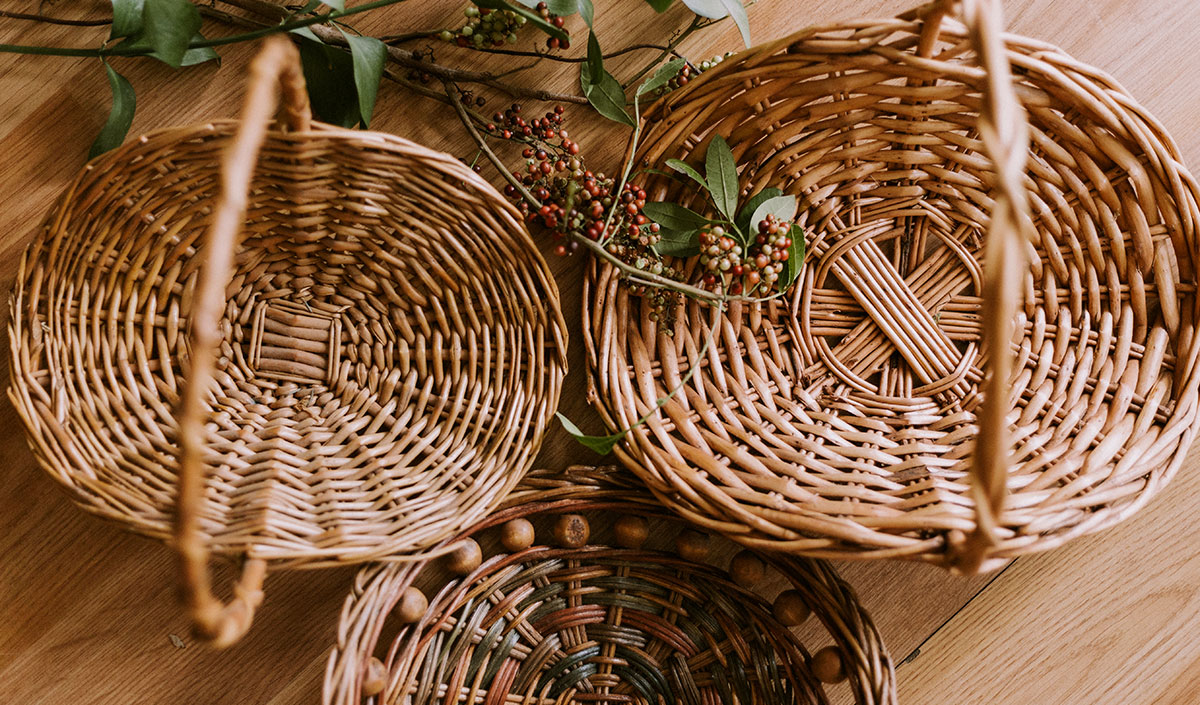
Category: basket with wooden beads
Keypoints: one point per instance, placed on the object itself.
(580, 589)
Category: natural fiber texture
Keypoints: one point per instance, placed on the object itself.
(842, 420)
(390, 343)
(595, 624)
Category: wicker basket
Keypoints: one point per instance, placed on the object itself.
(368, 373)
(846, 419)
(571, 622)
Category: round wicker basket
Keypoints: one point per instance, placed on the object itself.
(846, 419)
(568, 622)
(336, 345)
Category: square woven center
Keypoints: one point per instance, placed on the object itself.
(293, 343)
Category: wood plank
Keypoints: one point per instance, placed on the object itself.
(90, 609)
(1110, 619)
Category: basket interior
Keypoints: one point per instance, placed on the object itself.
(390, 347)
(855, 396)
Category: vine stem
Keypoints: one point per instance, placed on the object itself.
(696, 24)
(202, 43)
(596, 248)
(411, 60)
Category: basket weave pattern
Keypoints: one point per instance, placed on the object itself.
(390, 341)
(841, 420)
(597, 624)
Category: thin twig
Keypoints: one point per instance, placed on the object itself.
(399, 39)
(696, 24)
(135, 50)
(54, 20)
(412, 60)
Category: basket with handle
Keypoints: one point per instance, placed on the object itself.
(991, 347)
(322, 346)
(566, 610)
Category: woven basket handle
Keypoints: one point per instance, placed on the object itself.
(277, 64)
(1004, 130)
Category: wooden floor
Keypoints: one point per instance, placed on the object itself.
(88, 612)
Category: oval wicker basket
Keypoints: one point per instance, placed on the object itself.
(570, 622)
(846, 419)
(342, 344)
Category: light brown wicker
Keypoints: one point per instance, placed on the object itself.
(642, 614)
(845, 420)
(370, 370)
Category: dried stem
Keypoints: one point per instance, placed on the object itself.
(412, 60)
(54, 20)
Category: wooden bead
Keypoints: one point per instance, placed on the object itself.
(465, 558)
(692, 546)
(571, 531)
(375, 678)
(517, 535)
(827, 665)
(631, 531)
(412, 605)
(790, 608)
(747, 569)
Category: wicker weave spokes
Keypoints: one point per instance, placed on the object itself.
(605, 626)
(389, 344)
(657, 620)
(844, 419)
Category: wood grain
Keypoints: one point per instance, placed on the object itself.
(88, 610)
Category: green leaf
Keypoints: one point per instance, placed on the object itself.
(782, 207)
(602, 445)
(659, 5)
(119, 118)
(601, 89)
(587, 11)
(720, 173)
(678, 243)
(167, 27)
(534, 18)
(795, 260)
(199, 55)
(684, 168)
(716, 9)
(368, 55)
(737, 11)
(673, 216)
(712, 9)
(127, 18)
(335, 4)
(661, 76)
(308, 7)
(329, 73)
(743, 219)
(308, 34)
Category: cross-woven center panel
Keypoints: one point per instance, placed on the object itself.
(840, 418)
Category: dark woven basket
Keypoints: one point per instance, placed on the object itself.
(553, 619)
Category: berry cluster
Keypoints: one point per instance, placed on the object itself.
(494, 28)
(744, 270)
(485, 27)
(554, 42)
(511, 125)
(689, 71)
